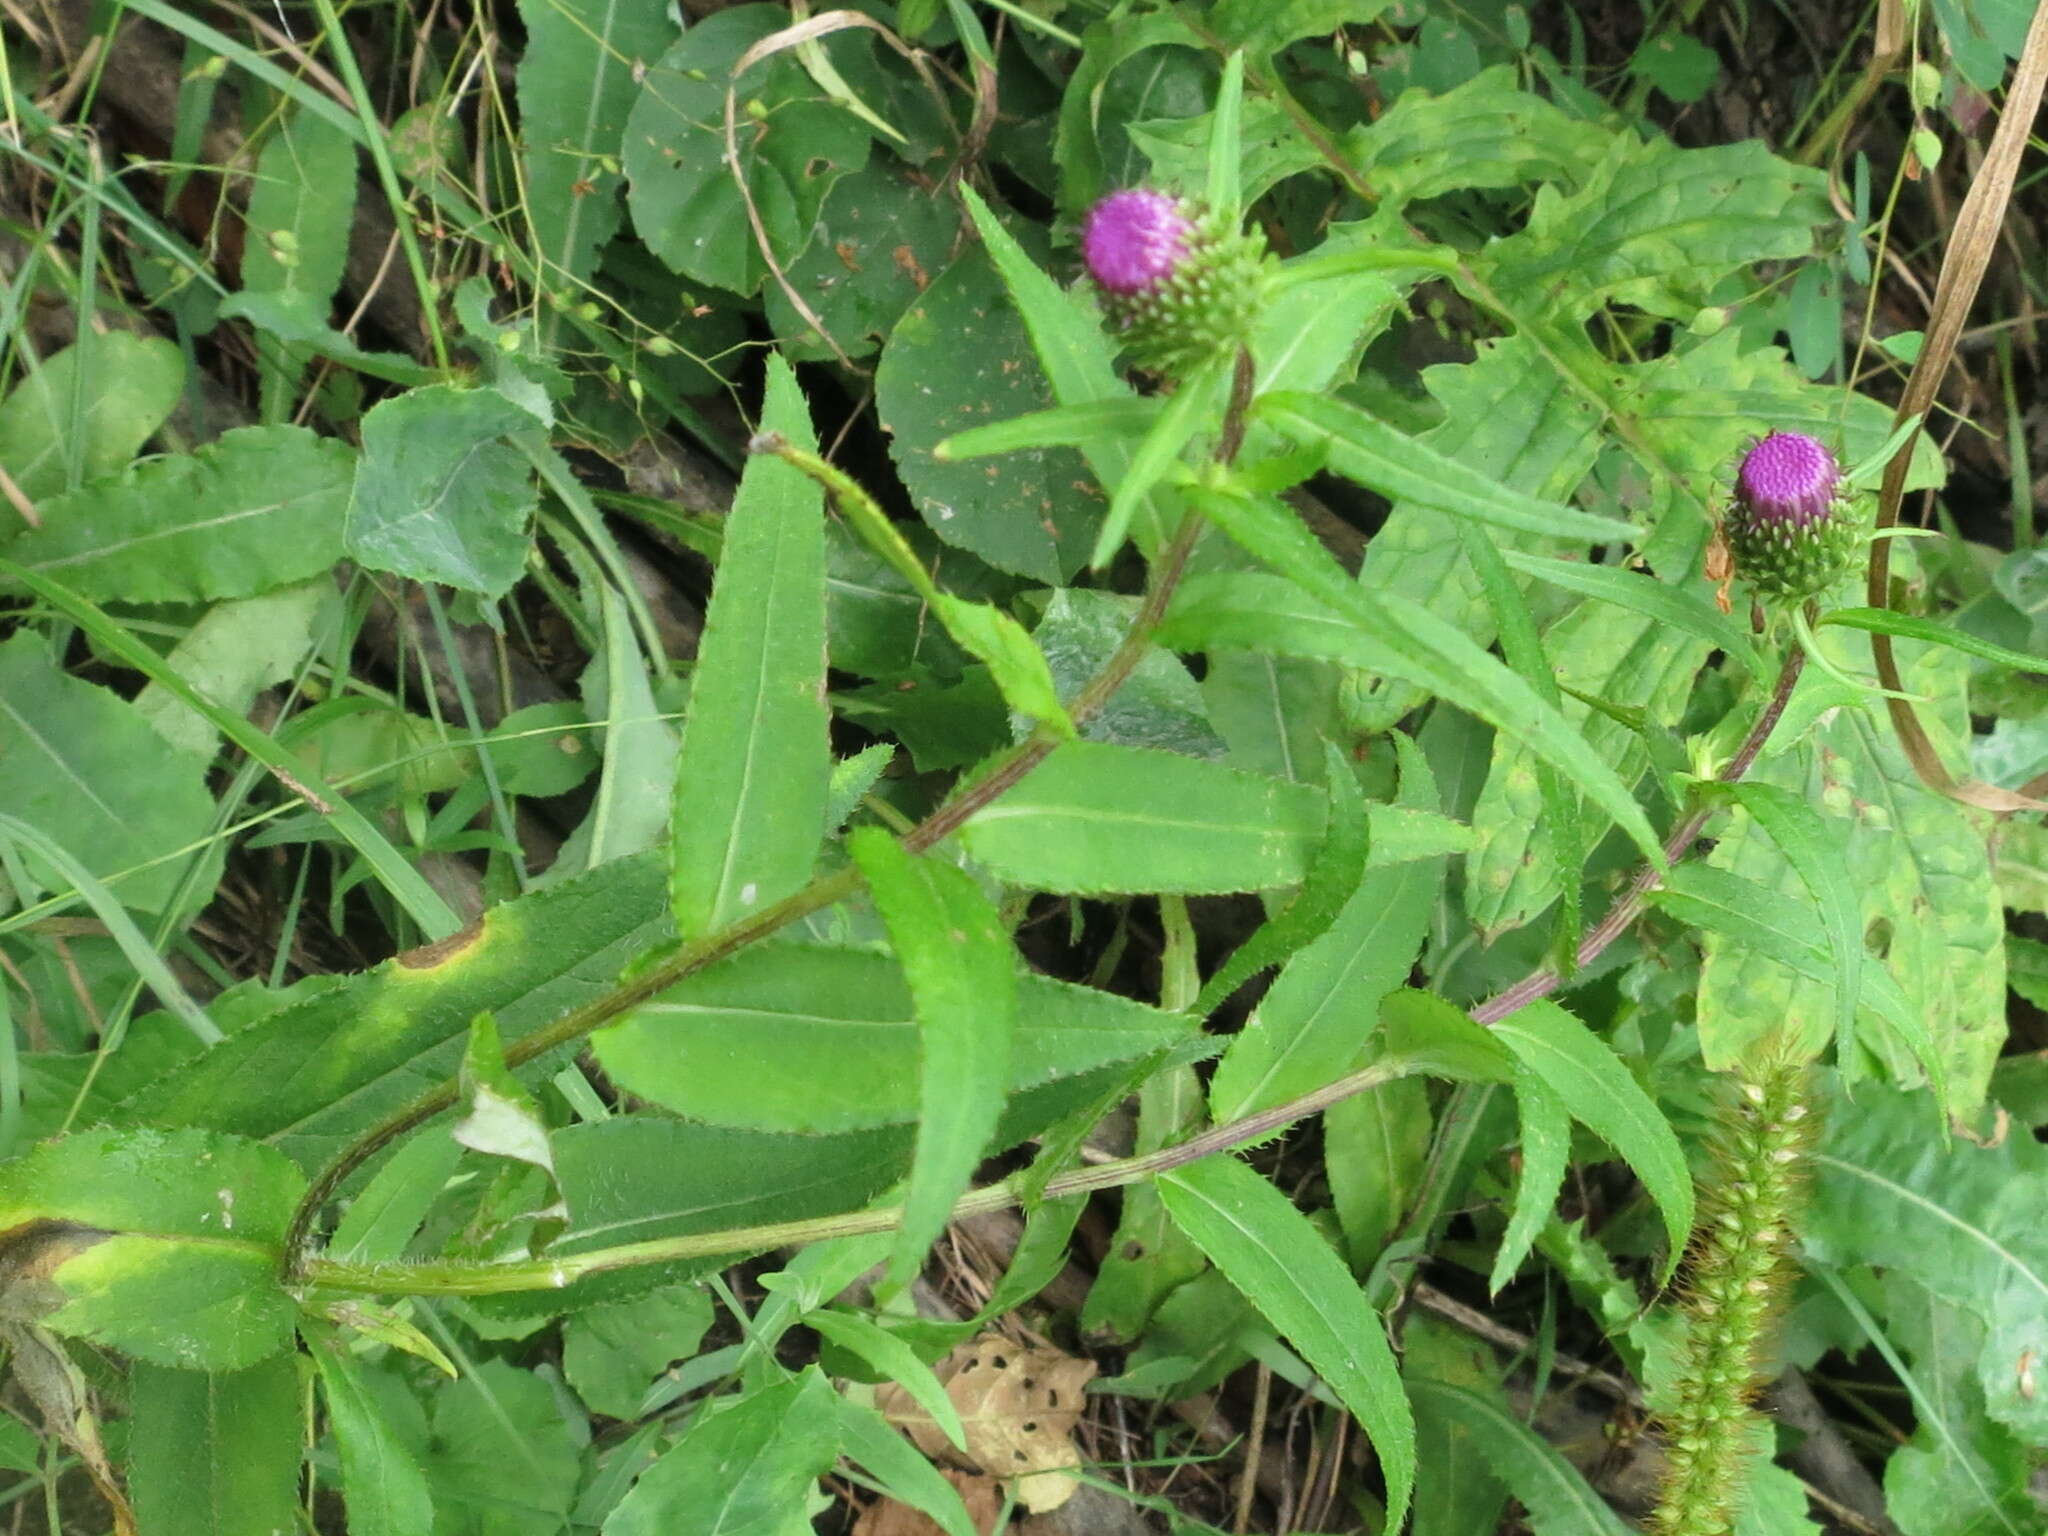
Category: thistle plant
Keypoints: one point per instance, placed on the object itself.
(1791, 525)
(1736, 1278)
(1177, 282)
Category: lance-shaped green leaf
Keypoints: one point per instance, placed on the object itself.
(1884, 621)
(1185, 414)
(1602, 1095)
(1545, 1153)
(579, 74)
(741, 1467)
(1556, 1496)
(259, 508)
(215, 1453)
(1523, 648)
(1421, 1032)
(382, 1483)
(1014, 660)
(1681, 607)
(901, 1468)
(799, 1037)
(962, 974)
(309, 1077)
(755, 764)
(1064, 426)
(1389, 461)
(1319, 611)
(1275, 1256)
(895, 1359)
(163, 1245)
(1095, 817)
(1308, 1028)
(1331, 880)
(1515, 413)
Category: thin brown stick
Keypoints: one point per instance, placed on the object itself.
(1963, 264)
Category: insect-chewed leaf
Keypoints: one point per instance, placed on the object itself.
(577, 82)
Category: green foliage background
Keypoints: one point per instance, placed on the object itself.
(616, 712)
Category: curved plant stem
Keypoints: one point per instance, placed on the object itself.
(498, 1278)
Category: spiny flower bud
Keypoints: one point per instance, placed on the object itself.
(1178, 286)
(1791, 526)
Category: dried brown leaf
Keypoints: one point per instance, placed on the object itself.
(1019, 1407)
(982, 1495)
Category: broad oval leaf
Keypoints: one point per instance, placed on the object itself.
(438, 496)
(126, 384)
(684, 200)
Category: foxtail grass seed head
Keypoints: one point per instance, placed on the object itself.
(1177, 284)
(1790, 524)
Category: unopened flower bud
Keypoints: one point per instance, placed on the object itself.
(1178, 286)
(1790, 525)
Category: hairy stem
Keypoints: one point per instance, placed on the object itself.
(1736, 1278)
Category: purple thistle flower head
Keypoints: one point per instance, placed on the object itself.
(1787, 478)
(1136, 239)
(1792, 526)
